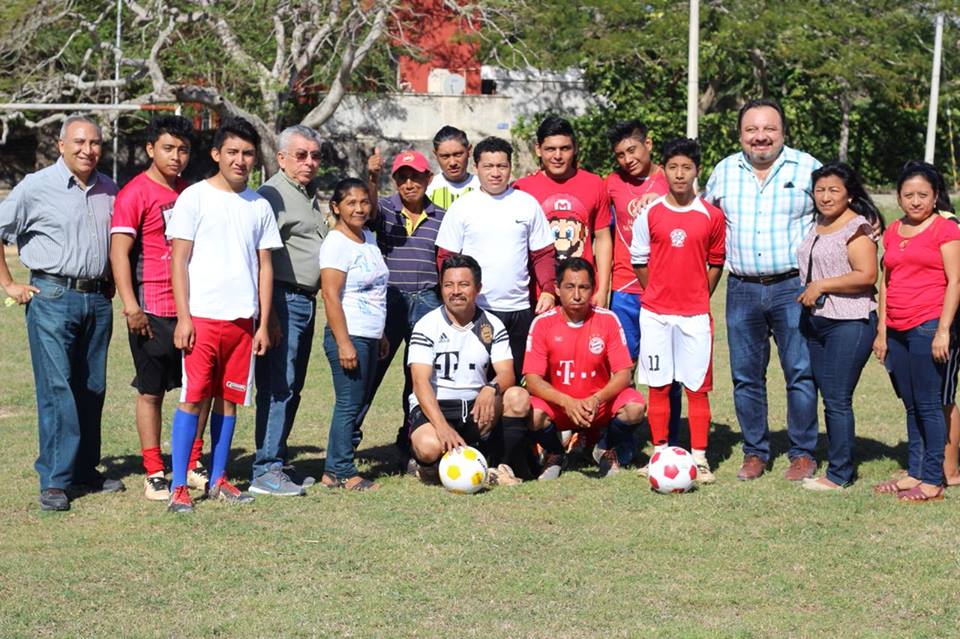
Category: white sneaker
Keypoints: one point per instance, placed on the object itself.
(156, 488)
(197, 479)
(502, 475)
(644, 471)
(704, 474)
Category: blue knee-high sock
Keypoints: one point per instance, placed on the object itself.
(620, 436)
(221, 436)
(182, 434)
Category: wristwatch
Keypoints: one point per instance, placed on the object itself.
(495, 386)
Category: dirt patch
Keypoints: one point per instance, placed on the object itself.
(9, 412)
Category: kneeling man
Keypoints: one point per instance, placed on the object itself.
(453, 404)
(577, 369)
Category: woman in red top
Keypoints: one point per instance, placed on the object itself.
(921, 265)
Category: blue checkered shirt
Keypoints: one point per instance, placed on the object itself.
(765, 222)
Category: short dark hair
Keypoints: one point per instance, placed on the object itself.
(930, 173)
(448, 133)
(459, 260)
(762, 102)
(237, 127)
(576, 264)
(175, 125)
(860, 201)
(346, 185)
(682, 146)
(626, 129)
(555, 125)
(492, 144)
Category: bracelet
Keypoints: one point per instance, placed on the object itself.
(494, 385)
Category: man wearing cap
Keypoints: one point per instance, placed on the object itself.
(59, 218)
(406, 224)
(292, 194)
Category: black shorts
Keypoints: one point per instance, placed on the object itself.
(457, 413)
(517, 324)
(158, 363)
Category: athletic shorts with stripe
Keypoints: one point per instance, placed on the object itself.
(221, 362)
(676, 348)
(458, 414)
(157, 362)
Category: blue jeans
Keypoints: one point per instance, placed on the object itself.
(404, 310)
(755, 312)
(352, 390)
(626, 306)
(280, 374)
(917, 378)
(839, 350)
(69, 333)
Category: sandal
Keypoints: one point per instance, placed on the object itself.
(891, 487)
(916, 495)
(329, 480)
(358, 483)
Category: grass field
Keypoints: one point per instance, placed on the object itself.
(580, 557)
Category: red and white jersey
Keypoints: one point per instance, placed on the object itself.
(625, 197)
(142, 209)
(576, 208)
(677, 244)
(576, 359)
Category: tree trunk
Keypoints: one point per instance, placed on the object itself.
(844, 129)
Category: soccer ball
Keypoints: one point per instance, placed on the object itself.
(672, 470)
(463, 470)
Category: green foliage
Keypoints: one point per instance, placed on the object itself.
(870, 58)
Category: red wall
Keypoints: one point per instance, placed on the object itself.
(444, 42)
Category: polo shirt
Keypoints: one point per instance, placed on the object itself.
(59, 226)
(766, 222)
(410, 257)
(302, 226)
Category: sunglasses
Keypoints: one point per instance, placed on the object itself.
(303, 155)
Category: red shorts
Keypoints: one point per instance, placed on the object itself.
(606, 412)
(221, 362)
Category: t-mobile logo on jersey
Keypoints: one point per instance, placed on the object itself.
(566, 371)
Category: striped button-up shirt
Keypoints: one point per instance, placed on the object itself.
(766, 221)
(411, 258)
(59, 226)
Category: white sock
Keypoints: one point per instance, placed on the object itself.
(657, 449)
(700, 456)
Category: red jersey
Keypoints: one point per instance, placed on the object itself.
(676, 245)
(576, 208)
(141, 209)
(576, 360)
(916, 281)
(625, 197)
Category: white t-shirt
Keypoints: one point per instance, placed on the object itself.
(458, 354)
(227, 229)
(364, 294)
(443, 192)
(498, 231)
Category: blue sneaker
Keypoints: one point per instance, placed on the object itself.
(275, 482)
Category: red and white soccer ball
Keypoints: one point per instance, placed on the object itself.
(672, 470)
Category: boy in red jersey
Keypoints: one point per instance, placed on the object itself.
(140, 259)
(577, 371)
(575, 202)
(678, 254)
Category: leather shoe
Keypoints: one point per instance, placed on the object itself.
(98, 484)
(751, 468)
(800, 468)
(54, 499)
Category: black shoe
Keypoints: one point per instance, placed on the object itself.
(98, 484)
(54, 499)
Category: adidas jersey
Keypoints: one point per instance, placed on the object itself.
(460, 355)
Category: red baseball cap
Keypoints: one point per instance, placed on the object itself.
(414, 159)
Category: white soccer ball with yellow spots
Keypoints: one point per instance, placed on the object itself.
(463, 470)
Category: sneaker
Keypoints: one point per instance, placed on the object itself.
(607, 460)
(225, 491)
(197, 479)
(429, 473)
(409, 467)
(275, 482)
(156, 488)
(54, 499)
(644, 471)
(704, 474)
(552, 467)
(502, 475)
(180, 501)
(306, 481)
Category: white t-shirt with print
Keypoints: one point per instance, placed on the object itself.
(227, 229)
(442, 192)
(498, 231)
(364, 294)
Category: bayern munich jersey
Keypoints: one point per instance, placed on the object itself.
(460, 355)
(677, 244)
(576, 359)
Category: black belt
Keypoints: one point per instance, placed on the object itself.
(293, 288)
(81, 284)
(767, 279)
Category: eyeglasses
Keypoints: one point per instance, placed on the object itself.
(303, 155)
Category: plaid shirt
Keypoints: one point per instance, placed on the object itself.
(765, 222)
